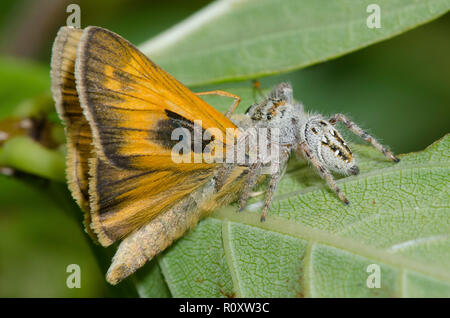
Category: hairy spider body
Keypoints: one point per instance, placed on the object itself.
(309, 136)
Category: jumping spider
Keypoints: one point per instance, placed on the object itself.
(309, 136)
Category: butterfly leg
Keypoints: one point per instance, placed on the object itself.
(364, 135)
(232, 108)
(303, 150)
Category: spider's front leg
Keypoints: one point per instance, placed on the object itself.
(305, 151)
(277, 171)
(277, 166)
(252, 177)
(274, 181)
(353, 127)
(251, 160)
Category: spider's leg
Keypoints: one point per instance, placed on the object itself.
(274, 181)
(364, 135)
(252, 177)
(306, 151)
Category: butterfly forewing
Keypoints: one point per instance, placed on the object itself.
(133, 105)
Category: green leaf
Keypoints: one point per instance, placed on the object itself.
(150, 282)
(40, 235)
(312, 245)
(241, 39)
(207, 273)
(24, 88)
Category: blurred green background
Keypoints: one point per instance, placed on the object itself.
(398, 89)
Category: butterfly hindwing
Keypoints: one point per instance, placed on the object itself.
(122, 200)
(79, 137)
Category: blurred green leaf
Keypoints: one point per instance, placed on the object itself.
(241, 39)
(39, 239)
(21, 81)
(312, 245)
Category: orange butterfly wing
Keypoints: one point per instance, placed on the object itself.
(133, 105)
(122, 200)
(118, 108)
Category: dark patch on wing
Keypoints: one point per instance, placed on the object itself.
(163, 133)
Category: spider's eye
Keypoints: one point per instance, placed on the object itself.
(314, 130)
